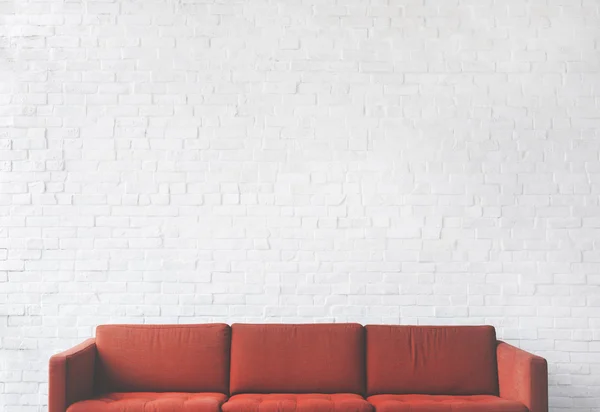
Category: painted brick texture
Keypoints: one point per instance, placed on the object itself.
(378, 161)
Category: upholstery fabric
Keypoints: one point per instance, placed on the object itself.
(435, 360)
(444, 403)
(152, 402)
(318, 358)
(523, 377)
(71, 376)
(342, 402)
(163, 358)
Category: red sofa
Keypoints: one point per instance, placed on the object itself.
(296, 368)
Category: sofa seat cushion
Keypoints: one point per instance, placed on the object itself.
(444, 403)
(151, 402)
(309, 402)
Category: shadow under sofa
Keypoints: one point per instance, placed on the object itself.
(296, 368)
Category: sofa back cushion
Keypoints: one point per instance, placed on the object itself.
(435, 360)
(163, 358)
(318, 358)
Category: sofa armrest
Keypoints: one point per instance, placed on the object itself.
(522, 377)
(71, 376)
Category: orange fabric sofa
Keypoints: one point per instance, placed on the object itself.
(296, 368)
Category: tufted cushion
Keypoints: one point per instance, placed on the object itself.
(152, 402)
(163, 358)
(318, 358)
(443, 403)
(433, 360)
(297, 403)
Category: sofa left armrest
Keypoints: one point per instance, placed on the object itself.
(522, 377)
(71, 376)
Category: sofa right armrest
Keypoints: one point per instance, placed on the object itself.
(71, 376)
(522, 377)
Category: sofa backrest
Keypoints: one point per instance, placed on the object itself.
(436, 360)
(162, 358)
(321, 358)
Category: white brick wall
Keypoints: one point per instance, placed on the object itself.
(397, 161)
